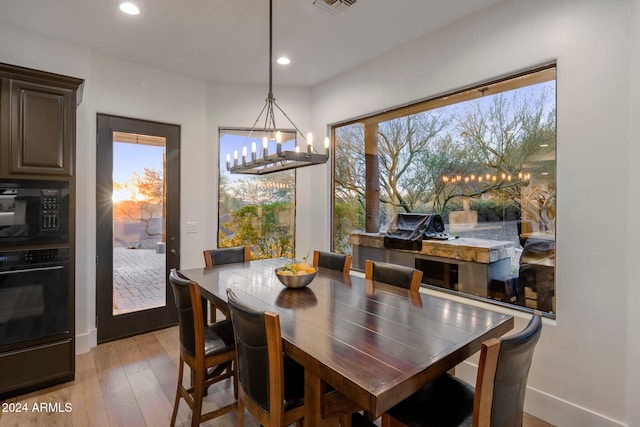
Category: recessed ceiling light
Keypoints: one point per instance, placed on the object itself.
(283, 60)
(129, 8)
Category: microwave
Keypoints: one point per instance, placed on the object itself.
(34, 212)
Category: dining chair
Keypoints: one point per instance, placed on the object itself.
(201, 348)
(498, 398)
(221, 256)
(392, 274)
(270, 384)
(332, 261)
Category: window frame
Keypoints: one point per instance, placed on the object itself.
(532, 76)
(238, 131)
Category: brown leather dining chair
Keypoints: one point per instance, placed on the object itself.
(392, 274)
(496, 401)
(270, 384)
(332, 261)
(223, 256)
(201, 348)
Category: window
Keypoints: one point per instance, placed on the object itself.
(484, 160)
(255, 210)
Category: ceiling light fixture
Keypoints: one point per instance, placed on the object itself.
(280, 160)
(283, 60)
(129, 8)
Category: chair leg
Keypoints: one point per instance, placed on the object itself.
(198, 396)
(240, 414)
(177, 401)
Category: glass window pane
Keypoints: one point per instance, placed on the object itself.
(482, 159)
(139, 237)
(258, 211)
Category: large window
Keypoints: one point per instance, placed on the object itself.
(484, 160)
(256, 210)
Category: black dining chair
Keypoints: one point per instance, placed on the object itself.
(498, 398)
(270, 384)
(332, 261)
(221, 256)
(393, 274)
(202, 348)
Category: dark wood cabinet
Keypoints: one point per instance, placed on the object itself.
(37, 123)
(37, 147)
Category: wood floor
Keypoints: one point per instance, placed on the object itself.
(127, 383)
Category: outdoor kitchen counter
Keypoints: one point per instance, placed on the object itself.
(462, 249)
(468, 265)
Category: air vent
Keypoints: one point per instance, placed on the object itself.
(334, 6)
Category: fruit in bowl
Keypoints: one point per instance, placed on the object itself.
(296, 274)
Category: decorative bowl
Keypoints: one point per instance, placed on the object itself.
(295, 282)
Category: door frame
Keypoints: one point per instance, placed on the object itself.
(111, 327)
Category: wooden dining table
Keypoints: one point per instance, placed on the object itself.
(364, 345)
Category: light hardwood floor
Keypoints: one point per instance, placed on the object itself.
(129, 383)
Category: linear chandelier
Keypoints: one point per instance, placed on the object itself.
(263, 162)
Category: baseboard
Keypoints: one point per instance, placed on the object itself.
(549, 408)
(85, 342)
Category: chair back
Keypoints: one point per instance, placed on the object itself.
(392, 274)
(185, 293)
(502, 377)
(332, 261)
(226, 255)
(512, 371)
(259, 349)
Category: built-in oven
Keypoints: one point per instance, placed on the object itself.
(34, 212)
(35, 339)
(34, 295)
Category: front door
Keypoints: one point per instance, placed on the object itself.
(138, 217)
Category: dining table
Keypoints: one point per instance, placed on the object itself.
(364, 345)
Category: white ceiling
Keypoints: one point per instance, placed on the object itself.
(227, 40)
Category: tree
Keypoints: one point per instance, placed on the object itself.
(402, 142)
(260, 227)
(347, 218)
(499, 147)
(498, 141)
(145, 201)
(350, 164)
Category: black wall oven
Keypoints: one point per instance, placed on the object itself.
(34, 295)
(37, 346)
(34, 212)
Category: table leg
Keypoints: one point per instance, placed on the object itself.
(314, 389)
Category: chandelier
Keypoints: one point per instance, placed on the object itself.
(262, 162)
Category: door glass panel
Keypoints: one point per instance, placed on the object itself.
(139, 238)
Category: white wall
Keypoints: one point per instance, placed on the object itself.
(633, 368)
(580, 366)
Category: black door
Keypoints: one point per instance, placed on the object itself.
(138, 217)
